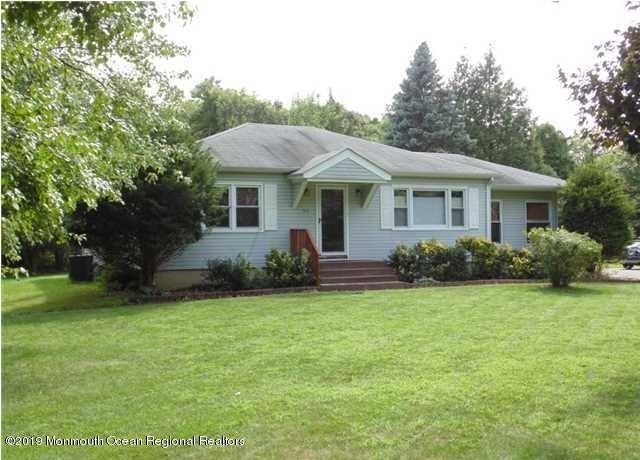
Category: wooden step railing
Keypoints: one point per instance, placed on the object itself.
(300, 239)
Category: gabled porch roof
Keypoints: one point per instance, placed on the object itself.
(344, 165)
(341, 166)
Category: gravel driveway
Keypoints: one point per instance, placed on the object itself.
(622, 274)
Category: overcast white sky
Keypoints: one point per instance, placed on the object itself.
(280, 49)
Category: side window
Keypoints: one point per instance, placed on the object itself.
(222, 206)
(457, 208)
(496, 222)
(538, 215)
(400, 208)
(247, 207)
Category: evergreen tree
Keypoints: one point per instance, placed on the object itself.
(496, 115)
(422, 116)
(594, 201)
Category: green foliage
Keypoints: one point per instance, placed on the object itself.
(422, 116)
(228, 274)
(333, 116)
(217, 109)
(609, 93)
(488, 260)
(629, 169)
(120, 277)
(524, 266)
(564, 255)
(286, 270)
(496, 115)
(430, 259)
(79, 119)
(214, 109)
(154, 220)
(555, 149)
(595, 202)
(406, 262)
(441, 263)
(14, 272)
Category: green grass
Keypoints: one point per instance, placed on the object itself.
(52, 293)
(519, 371)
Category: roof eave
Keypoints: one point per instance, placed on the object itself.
(527, 188)
(444, 175)
(253, 169)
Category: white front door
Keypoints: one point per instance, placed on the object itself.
(332, 213)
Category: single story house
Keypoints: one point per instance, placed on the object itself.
(354, 199)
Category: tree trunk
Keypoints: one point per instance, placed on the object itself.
(149, 267)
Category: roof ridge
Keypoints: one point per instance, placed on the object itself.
(507, 166)
(227, 131)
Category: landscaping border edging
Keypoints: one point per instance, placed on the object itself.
(184, 295)
(476, 282)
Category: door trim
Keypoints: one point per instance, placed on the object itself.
(345, 207)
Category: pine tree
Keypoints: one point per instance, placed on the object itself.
(496, 115)
(423, 116)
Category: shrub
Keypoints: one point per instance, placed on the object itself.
(286, 270)
(595, 202)
(120, 277)
(14, 272)
(523, 265)
(441, 263)
(487, 262)
(406, 263)
(230, 274)
(452, 266)
(564, 255)
(429, 259)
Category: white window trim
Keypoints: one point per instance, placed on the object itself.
(233, 228)
(491, 221)
(434, 188)
(537, 221)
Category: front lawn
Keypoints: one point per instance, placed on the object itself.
(508, 371)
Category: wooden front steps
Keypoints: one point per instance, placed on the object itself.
(343, 274)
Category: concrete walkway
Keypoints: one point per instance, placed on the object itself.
(622, 274)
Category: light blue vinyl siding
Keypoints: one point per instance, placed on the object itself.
(514, 215)
(366, 238)
(347, 170)
(369, 241)
(254, 244)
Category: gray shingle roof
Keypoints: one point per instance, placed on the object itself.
(283, 148)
